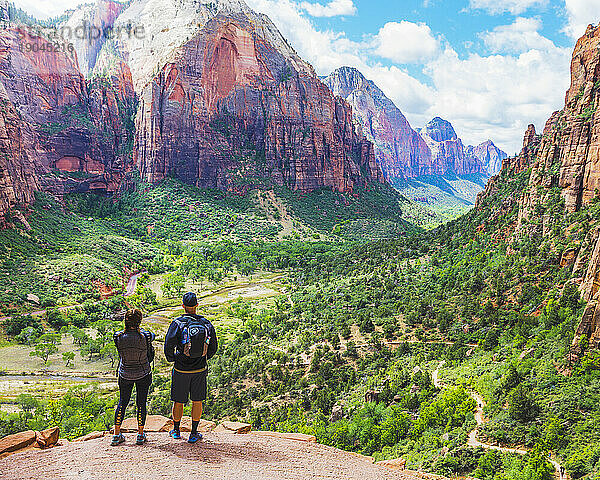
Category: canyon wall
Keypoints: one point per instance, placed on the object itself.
(232, 110)
(565, 158)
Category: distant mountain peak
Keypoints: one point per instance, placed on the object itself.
(439, 130)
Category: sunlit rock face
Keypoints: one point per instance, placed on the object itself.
(447, 150)
(233, 109)
(489, 155)
(400, 150)
(206, 91)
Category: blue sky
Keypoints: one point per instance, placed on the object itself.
(490, 67)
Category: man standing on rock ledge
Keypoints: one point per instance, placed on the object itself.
(190, 341)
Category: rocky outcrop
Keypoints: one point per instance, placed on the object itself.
(18, 181)
(29, 439)
(400, 151)
(70, 125)
(232, 110)
(254, 456)
(448, 151)
(489, 155)
(566, 158)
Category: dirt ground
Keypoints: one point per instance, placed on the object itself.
(219, 456)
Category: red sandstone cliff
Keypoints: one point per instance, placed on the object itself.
(72, 125)
(567, 157)
(232, 110)
(18, 181)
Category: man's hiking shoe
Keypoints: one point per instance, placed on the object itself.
(141, 439)
(117, 440)
(176, 434)
(194, 437)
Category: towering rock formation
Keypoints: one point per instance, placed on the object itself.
(237, 105)
(489, 155)
(72, 125)
(567, 157)
(447, 149)
(225, 102)
(400, 151)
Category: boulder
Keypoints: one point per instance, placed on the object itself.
(33, 298)
(90, 436)
(154, 423)
(337, 413)
(233, 427)
(394, 464)
(47, 438)
(12, 443)
(301, 437)
(204, 426)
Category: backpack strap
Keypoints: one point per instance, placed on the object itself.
(116, 337)
(146, 334)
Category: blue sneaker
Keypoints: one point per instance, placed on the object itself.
(194, 437)
(176, 434)
(117, 440)
(141, 439)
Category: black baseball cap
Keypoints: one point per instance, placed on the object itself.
(190, 299)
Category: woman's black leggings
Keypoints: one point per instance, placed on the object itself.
(142, 386)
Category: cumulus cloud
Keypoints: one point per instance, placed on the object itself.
(332, 9)
(405, 42)
(518, 37)
(497, 96)
(580, 14)
(496, 7)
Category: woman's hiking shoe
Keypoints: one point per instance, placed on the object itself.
(175, 434)
(141, 439)
(194, 437)
(117, 440)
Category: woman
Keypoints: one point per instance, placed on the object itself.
(135, 355)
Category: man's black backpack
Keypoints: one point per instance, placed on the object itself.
(195, 337)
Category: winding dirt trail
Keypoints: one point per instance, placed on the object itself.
(481, 419)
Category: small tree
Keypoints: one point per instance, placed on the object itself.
(68, 357)
(44, 350)
(80, 338)
(173, 285)
(110, 351)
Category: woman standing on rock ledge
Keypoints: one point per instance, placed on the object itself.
(135, 355)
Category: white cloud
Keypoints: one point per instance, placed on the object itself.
(494, 96)
(332, 9)
(496, 7)
(43, 9)
(518, 37)
(405, 42)
(580, 14)
(499, 95)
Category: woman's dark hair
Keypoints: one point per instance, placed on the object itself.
(133, 319)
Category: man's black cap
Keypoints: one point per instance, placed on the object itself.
(190, 299)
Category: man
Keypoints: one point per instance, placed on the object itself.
(190, 341)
